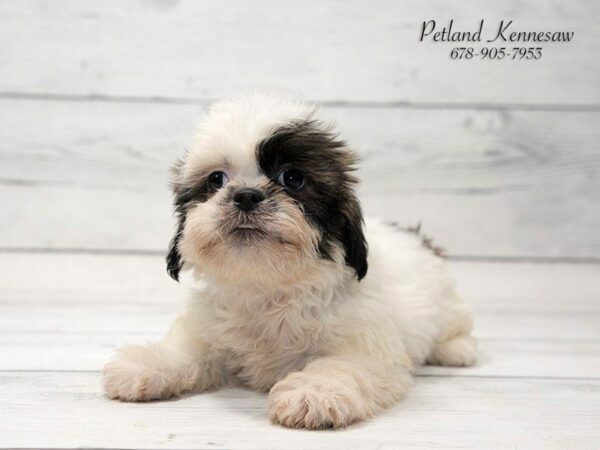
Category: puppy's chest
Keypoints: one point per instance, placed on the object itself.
(266, 345)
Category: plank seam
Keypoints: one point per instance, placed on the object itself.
(367, 104)
(160, 334)
(423, 375)
(591, 260)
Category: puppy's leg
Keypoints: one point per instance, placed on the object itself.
(179, 363)
(336, 391)
(459, 351)
(455, 346)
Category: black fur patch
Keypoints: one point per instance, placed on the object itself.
(327, 198)
(184, 197)
(426, 241)
(174, 263)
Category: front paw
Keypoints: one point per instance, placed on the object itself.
(314, 402)
(129, 379)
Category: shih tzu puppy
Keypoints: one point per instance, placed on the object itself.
(297, 295)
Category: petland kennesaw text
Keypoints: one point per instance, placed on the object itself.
(502, 33)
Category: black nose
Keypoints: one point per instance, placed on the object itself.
(247, 199)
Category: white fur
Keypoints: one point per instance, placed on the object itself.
(329, 349)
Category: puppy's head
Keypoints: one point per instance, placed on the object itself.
(266, 195)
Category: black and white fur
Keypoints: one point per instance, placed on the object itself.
(297, 295)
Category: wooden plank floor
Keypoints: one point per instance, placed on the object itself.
(537, 383)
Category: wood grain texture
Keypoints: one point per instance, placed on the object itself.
(496, 159)
(531, 319)
(500, 357)
(508, 183)
(324, 50)
(43, 279)
(116, 318)
(438, 412)
(62, 315)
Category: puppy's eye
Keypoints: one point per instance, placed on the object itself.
(217, 180)
(292, 179)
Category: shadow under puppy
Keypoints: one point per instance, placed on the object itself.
(289, 300)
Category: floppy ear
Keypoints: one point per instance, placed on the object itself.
(353, 238)
(174, 261)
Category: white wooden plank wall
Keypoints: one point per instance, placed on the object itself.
(339, 51)
(492, 183)
(499, 160)
(495, 158)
